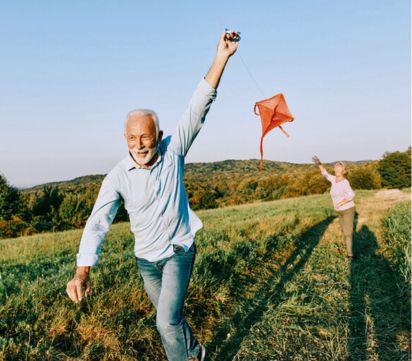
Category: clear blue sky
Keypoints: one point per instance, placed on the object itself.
(70, 71)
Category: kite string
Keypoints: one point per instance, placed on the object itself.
(251, 76)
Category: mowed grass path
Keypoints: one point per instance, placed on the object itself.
(333, 308)
(271, 282)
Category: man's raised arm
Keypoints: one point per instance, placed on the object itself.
(192, 119)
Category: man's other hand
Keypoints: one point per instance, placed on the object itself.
(79, 286)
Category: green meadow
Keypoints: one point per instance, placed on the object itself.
(271, 282)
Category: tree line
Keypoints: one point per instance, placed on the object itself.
(67, 205)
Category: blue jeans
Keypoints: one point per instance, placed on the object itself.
(166, 282)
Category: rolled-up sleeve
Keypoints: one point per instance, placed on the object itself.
(193, 118)
(98, 224)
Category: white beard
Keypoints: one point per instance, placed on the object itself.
(141, 158)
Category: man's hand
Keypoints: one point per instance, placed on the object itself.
(225, 49)
(228, 44)
(79, 285)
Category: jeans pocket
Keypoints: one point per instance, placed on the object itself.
(179, 250)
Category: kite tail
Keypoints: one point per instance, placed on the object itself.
(284, 131)
(261, 154)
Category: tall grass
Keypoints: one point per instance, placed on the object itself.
(397, 237)
(269, 282)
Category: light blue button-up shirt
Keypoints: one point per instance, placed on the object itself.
(155, 198)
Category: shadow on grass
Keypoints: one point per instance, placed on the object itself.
(270, 294)
(378, 310)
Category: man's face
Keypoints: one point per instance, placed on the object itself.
(141, 138)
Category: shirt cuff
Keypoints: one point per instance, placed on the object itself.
(87, 259)
(206, 89)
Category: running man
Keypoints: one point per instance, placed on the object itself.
(150, 181)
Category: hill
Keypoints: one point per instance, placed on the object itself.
(271, 282)
(229, 166)
(64, 205)
(78, 181)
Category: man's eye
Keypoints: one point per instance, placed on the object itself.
(146, 137)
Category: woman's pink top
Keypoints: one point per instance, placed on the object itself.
(339, 191)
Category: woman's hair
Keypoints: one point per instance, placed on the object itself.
(343, 165)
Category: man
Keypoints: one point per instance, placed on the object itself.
(150, 181)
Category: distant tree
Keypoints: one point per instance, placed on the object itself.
(207, 199)
(46, 210)
(12, 211)
(122, 215)
(271, 187)
(49, 200)
(395, 169)
(247, 186)
(265, 187)
(314, 183)
(365, 177)
(220, 191)
(72, 211)
(10, 201)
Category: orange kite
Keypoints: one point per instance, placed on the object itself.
(273, 113)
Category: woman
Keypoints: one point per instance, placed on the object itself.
(342, 198)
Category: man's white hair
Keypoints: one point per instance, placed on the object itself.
(143, 112)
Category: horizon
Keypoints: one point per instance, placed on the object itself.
(28, 187)
(344, 68)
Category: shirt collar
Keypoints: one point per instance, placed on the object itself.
(131, 164)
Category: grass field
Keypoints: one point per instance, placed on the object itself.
(271, 282)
